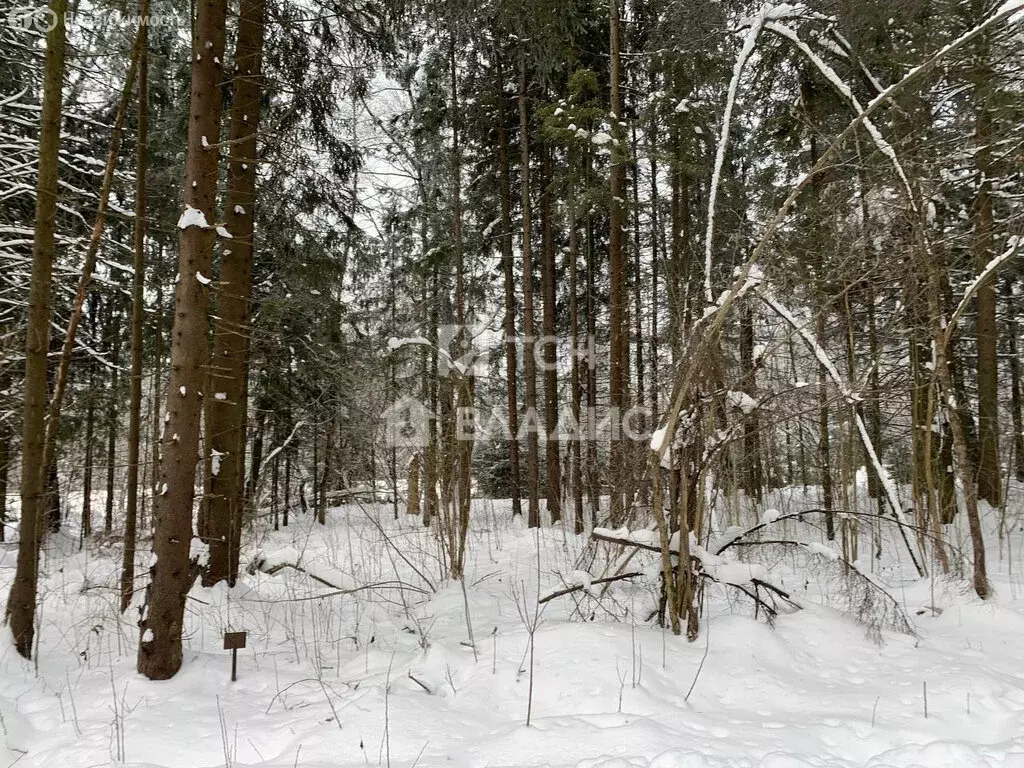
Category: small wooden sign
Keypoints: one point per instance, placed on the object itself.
(234, 640)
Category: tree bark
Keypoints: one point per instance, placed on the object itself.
(21, 601)
(226, 413)
(172, 573)
(138, 300)
(92, 250)
(114, 330)
(989, 481)
(549, 348)
(618, 372)
(1016, 398)
(529, 360)
(508, 273)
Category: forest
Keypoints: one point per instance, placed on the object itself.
(584, 383)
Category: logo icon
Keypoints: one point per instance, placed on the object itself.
(407, 423)
(29, 17)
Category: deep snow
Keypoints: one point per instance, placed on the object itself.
(386, 676)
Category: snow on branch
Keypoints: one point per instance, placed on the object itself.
(847, 93)
(1012, 246)
(756, 24)
(852, 399)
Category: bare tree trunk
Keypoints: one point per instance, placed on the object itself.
(156, 427)
(657, 232)
(465, 383)
(618, 371)
(575, 449)
(593, 485)
(172, 574)
(753, 472)
(21, 601)
(549, 347)
(90, 427)
(529, 329)
(5, 466)
(138, 300)
(989, 481)
(226, 412)
(114, 329)
(1016, 398)
(963, 463)
(256, 461)
(808, 94)
(508, 270)
(92, 249)
(430, 468)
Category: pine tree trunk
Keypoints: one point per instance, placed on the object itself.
(508, 273)
(752, 473)
(618, 371)
(1016, 397)
(114, 330)
(91, 252)
(21, 600)
(656, 233)
(226, 412)
(4, 474)
(575, 449)
(87, 472)
(5, 464)
(553, 462)
(172, 574)
(989, 481)
(960, 444)
(593, 484)
(138, 300)
(529, 360)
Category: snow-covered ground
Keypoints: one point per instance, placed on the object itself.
(386, 676)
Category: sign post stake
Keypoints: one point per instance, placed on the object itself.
(232, 642)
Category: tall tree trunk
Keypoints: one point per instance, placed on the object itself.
(809, 95)
(940, 336)
(226, 412)
(430, 465)
(593, 484)
(656, 233)
(508, 270)
(138, 299)
(989, 481)
(114, 331)
(549, 347)
(91, 252)
(637, 275)
(752, 473)
(618, 372)
(1016, 397)
(465, 382)
(172, 574)
(5, 465)
(157, 426)
(90, 426)
(21, 601)
(575, 449)
(529, 329)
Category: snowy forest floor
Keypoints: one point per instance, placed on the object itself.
(386, 676)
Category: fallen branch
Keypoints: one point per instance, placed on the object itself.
(578, 587)
(770, 609)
